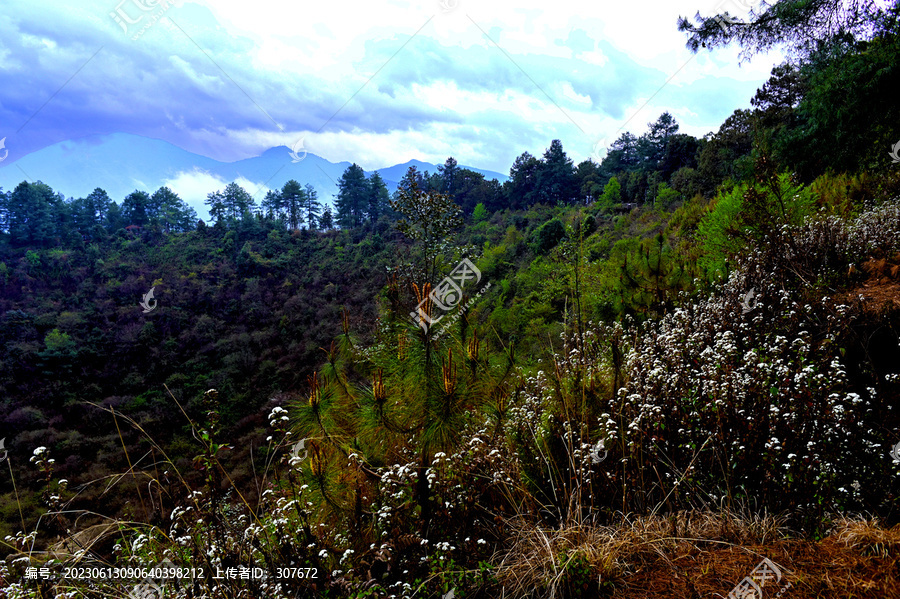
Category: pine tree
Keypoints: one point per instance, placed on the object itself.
(521, 187)
(97, 203)
(136, 208)
(555, 180)
(273, 205)
(30, 215)
(169, 207)
(420, 397)
(293, 198)
(216, 203)
(449, 172)
(353, 197)
(378, 198)
(4, 211)
(427, 217)
(326, 222)
(312, 206)
(237, 201)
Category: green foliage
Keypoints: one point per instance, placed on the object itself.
(749, 213)
(428, 218)
(549, 235)
(555, 180)
(413, 438)
(799, 25)
(521, 187)
(832, 124)
(612, 194)
(480, 214)
(665, 197)
(352, 200)
(57, 341)
(588, 226)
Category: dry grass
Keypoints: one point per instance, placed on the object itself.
(548, 560)
(698, 554)
(868, 537)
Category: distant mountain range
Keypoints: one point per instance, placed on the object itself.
(121, 163)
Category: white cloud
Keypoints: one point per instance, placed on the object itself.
(209, 76)
(193, 187)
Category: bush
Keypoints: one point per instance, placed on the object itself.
(549, 235)
(750, 214)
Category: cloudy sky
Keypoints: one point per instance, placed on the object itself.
(377, 83)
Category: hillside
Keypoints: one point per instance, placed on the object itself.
(671, 372)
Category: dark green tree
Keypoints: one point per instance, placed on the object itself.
(30, 214)
(556, 182)
(521, 187)
(847, 118)
(353, 197)
(97, 203)
(622, 156)
(652, 146)
(4, 211)
(801, 26)
(136, 208)
(428, 218)
(589, 179)
(681, 151)
(549, 235)
(449, 171)
(326, 222)
(169, 209)
(114, 219)
(312, 207)
(217, 209)
(273, 205)
(379, 200)
(293, 199)
(237, 201)
(727, 153)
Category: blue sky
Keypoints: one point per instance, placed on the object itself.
(377, 83)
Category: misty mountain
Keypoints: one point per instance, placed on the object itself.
(121, 163)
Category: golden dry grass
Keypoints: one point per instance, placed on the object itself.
(699, 554)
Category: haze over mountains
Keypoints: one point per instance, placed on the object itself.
(122, 162)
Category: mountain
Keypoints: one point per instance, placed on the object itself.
(121, 163)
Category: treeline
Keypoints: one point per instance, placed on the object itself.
(813, 115)
(34, 215)
(661, 165)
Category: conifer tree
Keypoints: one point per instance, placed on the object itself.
(311, 206)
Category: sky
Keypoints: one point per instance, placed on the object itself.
(376, 83)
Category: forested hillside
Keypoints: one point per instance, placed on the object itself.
(592, 379)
